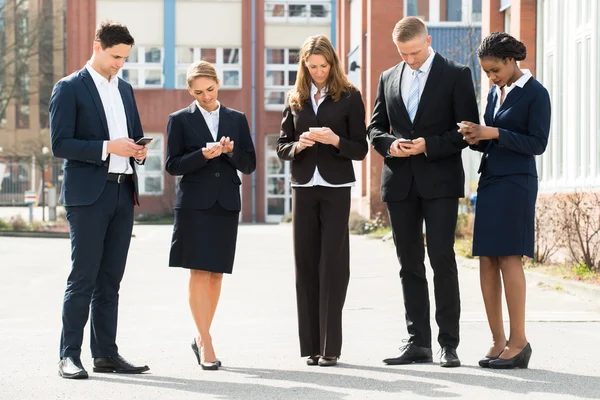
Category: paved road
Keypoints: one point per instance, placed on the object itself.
(255, 331)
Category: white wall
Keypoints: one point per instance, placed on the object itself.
(208, 23)
(144, 19)
(293, 35)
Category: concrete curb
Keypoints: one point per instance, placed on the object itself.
(45, 235)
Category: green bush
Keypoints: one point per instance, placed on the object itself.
(19, 224)
(4, 225)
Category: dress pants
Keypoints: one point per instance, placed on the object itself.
(440, 215)
(100, 237)
(322, 254)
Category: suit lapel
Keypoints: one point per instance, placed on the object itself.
(128, 106)
(488, 117)
(198, 123)
(224, 123)
(513, 96)
(89, 82)
(397, 88)
(433, 80)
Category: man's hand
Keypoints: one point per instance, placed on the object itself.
(141, 154)
(124, 147)
(325, 136)
(396, 150)
(227, 145)
(304, 141)
(416, 147)
(213, 152)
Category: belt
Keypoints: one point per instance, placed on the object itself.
(119, 178)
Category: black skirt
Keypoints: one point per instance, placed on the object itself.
(204, 239)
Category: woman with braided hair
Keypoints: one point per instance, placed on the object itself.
(517, 118)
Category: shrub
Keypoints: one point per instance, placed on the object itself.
(19, 224)
(548, 229)
(4, 225)
(356, 223)
(464, 226)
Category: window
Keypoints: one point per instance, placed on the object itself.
(227, 62)
(445, 12)
(298, 10)
(280, 75)
(418, 8)
(150, 175)
(278, 199)
(143, 67)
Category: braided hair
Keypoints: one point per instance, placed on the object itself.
(502, 45)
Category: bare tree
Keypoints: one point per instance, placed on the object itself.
(465, 52)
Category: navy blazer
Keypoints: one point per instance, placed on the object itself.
(78, 129)
(205, 182)
(523, 121)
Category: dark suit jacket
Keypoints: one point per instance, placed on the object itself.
(78, 128)
(205, 182)
(523, 121)
(345, 117)
(448, 98)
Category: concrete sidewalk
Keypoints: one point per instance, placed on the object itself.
(255, 331)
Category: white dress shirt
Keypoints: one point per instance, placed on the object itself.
(212, 119)
(317, 179)
(519, 82)
(115, 118)
(408, 77)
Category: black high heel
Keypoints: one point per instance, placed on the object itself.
(521, 360)
(485, 361)
(205, 365)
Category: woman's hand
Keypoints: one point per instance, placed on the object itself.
(227, 145)
(325, 136)
(304, 141)
(213, 152)
(474, 133)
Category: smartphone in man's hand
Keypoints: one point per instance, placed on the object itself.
(143, 140)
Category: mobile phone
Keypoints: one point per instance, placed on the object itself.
(404, 140)
(315, 129)
(461, 125)
(211, 144)
(143, 140)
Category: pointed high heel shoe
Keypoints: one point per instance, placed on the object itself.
(485, 361)
(521, 360)
(197, 353)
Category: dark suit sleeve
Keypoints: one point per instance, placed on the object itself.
(379, 127)
(465, 109)
(355, 147)
(286, 143)
(178, 162)
(534, 141)
(63, 114)
(244, 156)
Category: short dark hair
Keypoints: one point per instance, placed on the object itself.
(111, 33)
(408, 28)
(501, 45)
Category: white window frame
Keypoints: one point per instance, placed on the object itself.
(141, 66)
(285, 68)
(434, 14)
(219, 65)
(287, 195)
(142, 174)
(286, 18)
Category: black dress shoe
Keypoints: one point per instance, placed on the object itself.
(327, 361)
(197, 353)
(449, 358)
(117, 364)
(411, 353)
(312, 360)
(71, 368)
(521, 360)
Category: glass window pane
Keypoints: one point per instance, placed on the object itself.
(272, 142)
(133, 55)
(153, 163)
(275, 78)
(185, 55)
(275, 166)
(292, 77)
(153, 184)
(231, 78)
(275, 56)
(131, 76)
(153, 55)
(318, 10)
(153, 77)
(293, 56)
(273, 97)
(209, 55)
(156, 143)
(181, 79)
(274, 10)
(450, 10)
(276, 186)
(275, 206)
(231, 56)
(419, 8)
(297, 10)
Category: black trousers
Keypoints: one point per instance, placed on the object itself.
(322, 254)
(440, 215)
(100, 237)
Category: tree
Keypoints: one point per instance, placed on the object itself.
(27, 48)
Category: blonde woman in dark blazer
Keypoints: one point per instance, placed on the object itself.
(208, 144)
(322, 131)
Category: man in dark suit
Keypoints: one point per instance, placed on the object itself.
(94, 123)
(418, 104)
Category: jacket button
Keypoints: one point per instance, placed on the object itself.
(217, 174)
(412, 132)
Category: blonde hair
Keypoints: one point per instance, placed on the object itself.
(201, 69)
(408, 28)
(337, 82)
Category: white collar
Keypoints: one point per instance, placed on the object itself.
(99, 79)
(314, 90)
(209, 113)
(524, 78)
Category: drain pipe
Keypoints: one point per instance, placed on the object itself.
(253, 102)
